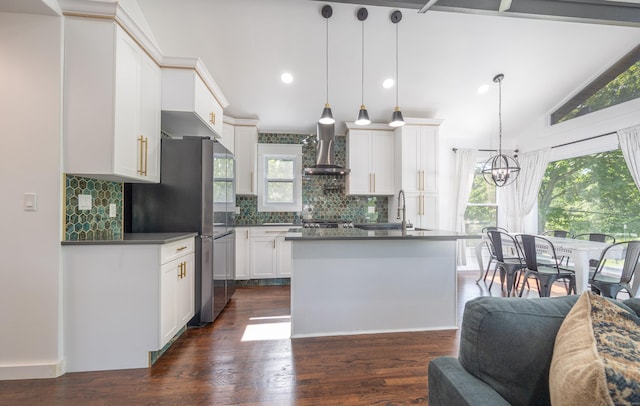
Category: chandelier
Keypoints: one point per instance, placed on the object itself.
(500, 170)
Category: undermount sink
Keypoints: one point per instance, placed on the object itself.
(379, 226)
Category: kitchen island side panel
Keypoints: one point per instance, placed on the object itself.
(341, 287)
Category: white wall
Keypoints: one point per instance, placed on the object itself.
(30, 162)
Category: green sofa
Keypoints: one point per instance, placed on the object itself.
(506, 347)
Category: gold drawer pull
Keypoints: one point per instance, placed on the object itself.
(182, 248)
(212, 118)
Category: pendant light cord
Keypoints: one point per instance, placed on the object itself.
(362, 73)
(327, 59)
(500, 116)
(397, 65)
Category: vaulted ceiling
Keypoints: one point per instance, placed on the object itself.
(443, 58)
(547, 50)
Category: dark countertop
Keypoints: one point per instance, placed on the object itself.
(318, 234)
(269, 225)
(136, 238)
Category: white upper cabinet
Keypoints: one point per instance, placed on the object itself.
(246, 145)
(192, 104)
(370, 158)
(111, 104)
(417, 158)
(416, 171)
(228, 138)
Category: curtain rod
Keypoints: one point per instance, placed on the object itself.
(586, 139)
(555, 146)
(454, 149)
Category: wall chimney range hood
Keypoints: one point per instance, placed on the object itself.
(325, 163)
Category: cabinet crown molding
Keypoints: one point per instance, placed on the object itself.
(112, 10)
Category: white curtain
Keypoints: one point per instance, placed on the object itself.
(630, 145)
(465, 168)
(518, 199)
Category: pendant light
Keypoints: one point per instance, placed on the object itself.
(327, 115)
(500, 170)
(396, 119)
(363, 114)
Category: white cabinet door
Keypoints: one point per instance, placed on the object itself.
(410, 166)
(243, 251)
(111, 104)
(382, 162)
(150, 117)
(185, 291)
(263, 257)
(359, 180)
(246, 144)
(168, 294)
(370, 159)
(207, 108)
(283, 248)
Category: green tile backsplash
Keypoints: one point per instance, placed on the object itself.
(94, 224)
(325, 193)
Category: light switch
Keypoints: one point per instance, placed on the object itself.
(112, 210)
(84, 202)
(237, 210)
(30, 202)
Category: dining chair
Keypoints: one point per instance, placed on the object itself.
(599, 237)
(609, 239)
(615, 269)
(510, 264)
(543, 264)
(557, 233)
(492, 255)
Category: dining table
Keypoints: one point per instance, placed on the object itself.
(578, 251)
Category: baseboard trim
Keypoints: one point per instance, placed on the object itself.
(244, 283)
(32, 371)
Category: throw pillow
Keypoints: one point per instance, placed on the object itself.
(596, 356)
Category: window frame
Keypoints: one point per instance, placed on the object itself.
(229, 180)
(292, 152)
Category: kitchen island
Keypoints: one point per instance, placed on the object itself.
(353, 281)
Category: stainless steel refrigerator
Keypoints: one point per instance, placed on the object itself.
(196, 193)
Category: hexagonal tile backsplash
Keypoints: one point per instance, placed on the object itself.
(325, 193)
(93, 224)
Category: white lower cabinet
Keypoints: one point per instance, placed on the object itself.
(123, 301)
(177, 287)
(262, 252)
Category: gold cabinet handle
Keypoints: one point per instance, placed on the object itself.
(422, 180)
(146, 154)
(184, 269)
(141, 158)
(251, 184)
(370, 188)
(374, 183)
(274, 244)
(418, 180)
(181, 248)
(247, 234)
(212, 118)
(143, 145)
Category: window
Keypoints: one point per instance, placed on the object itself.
(590, 194)
(223, 189)
(280, 174)
(482, 209)
(620, 83)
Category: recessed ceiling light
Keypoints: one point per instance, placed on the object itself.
(388, 83)
(286, 77)
(483, 89)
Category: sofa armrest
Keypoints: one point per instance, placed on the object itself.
(451, 385)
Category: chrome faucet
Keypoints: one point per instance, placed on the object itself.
(404, 210)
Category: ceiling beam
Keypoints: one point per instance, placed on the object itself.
(586, 11)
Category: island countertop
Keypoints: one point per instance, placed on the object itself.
(318, 234)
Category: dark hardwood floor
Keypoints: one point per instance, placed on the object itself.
(246, 358)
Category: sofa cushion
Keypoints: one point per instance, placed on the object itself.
(508, 342)
(596, 356)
